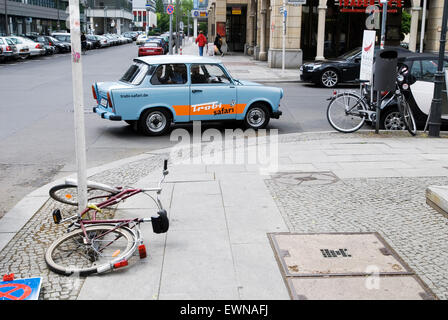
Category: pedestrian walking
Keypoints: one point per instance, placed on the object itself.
(83, 43)
(201, 40)
(218, 43)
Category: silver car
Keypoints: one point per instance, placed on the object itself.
(8, 48)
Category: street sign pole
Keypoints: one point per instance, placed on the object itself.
(78, 104)
(382, 41)
(171, 34)
(435, 111)
(284, 35)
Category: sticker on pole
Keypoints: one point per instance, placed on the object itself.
(367, 52)
(170, 9)
(20, 289)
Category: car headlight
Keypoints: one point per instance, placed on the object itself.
(301, 68)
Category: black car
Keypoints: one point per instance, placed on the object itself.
(60, 46)
(345, 68)
(132, 35)
(49, 47)
(94, 40)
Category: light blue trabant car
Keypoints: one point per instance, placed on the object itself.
(158, 90)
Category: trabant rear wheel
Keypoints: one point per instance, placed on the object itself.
(257, 117)
(155, 122)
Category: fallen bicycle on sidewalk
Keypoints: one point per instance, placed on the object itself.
(92, 245)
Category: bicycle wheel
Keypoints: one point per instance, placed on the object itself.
(68, 194)
(345, 112)
(106, 245)
(409, 119)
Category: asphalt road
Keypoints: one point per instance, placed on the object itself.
(37, 123)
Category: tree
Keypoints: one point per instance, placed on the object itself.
(405, 22)
(159, 6)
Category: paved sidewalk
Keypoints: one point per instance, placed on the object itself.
(217, 246)
(245, 67)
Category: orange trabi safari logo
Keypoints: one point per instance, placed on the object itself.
(212, 108)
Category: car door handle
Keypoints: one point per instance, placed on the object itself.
(196, 90)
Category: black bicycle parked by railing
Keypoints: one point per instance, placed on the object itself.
(348, 111)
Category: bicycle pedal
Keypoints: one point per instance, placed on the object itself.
(142, 251)
(57, 217)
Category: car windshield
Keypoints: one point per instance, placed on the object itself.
(53, 39)
(136, 73)
(16, 41)
(350, 54)
(41, 39)
(151, 44)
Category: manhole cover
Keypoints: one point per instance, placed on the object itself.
(344, 266)
(336, 254)
(305, 178)
(359, 288)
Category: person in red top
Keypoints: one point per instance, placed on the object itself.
(201, 40)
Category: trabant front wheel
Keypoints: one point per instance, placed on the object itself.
(155, 122)
(257, 117)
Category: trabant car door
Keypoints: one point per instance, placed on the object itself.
(212, 93)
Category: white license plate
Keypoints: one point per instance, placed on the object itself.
(103, 102)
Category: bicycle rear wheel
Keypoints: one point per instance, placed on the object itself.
(346, 112)
(68, 194)
(409, 119)
(105, 246)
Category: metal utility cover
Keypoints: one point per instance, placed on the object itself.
(336, 254)
(359, 288)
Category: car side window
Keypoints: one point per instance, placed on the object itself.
(1, 41)
(429, 69)
(166, 74)
(416, 70)
(208, 73)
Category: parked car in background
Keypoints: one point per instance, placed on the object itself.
(329, 73)
(94, 41)
(60, 47)
(9, 49)
(141, 39)
(36, 49)
(112, 40)
(104, 42)
(49, 48)
(156, 91)
(150, 49)
(22, 48)
(64, 37)
(131, 34)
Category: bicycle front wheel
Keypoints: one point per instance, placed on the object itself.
(409, 119)
(346, 112)
(68, 194)
(96, 253)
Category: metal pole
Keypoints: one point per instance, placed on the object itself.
(422, 34)
(78, 104)
(171, 34)
(383, 39)
(284, 35)
(436, 104)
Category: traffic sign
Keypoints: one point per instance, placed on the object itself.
(170, 9)
(20, 289)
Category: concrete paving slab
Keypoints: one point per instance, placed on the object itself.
(199, 265)
(358, 288)
(437, 197)
(333, 254)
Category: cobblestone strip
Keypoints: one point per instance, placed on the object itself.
(394, 207)
(24, 254)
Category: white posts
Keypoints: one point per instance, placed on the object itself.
(195, 28)
(78, 104)
(422, 36)
(284, 35)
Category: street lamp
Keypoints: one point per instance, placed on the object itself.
(436, 104)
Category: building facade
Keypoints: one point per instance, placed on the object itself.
(318, 29)
(144, 14)
(109, 16)
(32, 16)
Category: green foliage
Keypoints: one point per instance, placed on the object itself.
(163, 19)
(159, 6)
(405, 22)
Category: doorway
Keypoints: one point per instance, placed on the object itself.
(236, 18)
